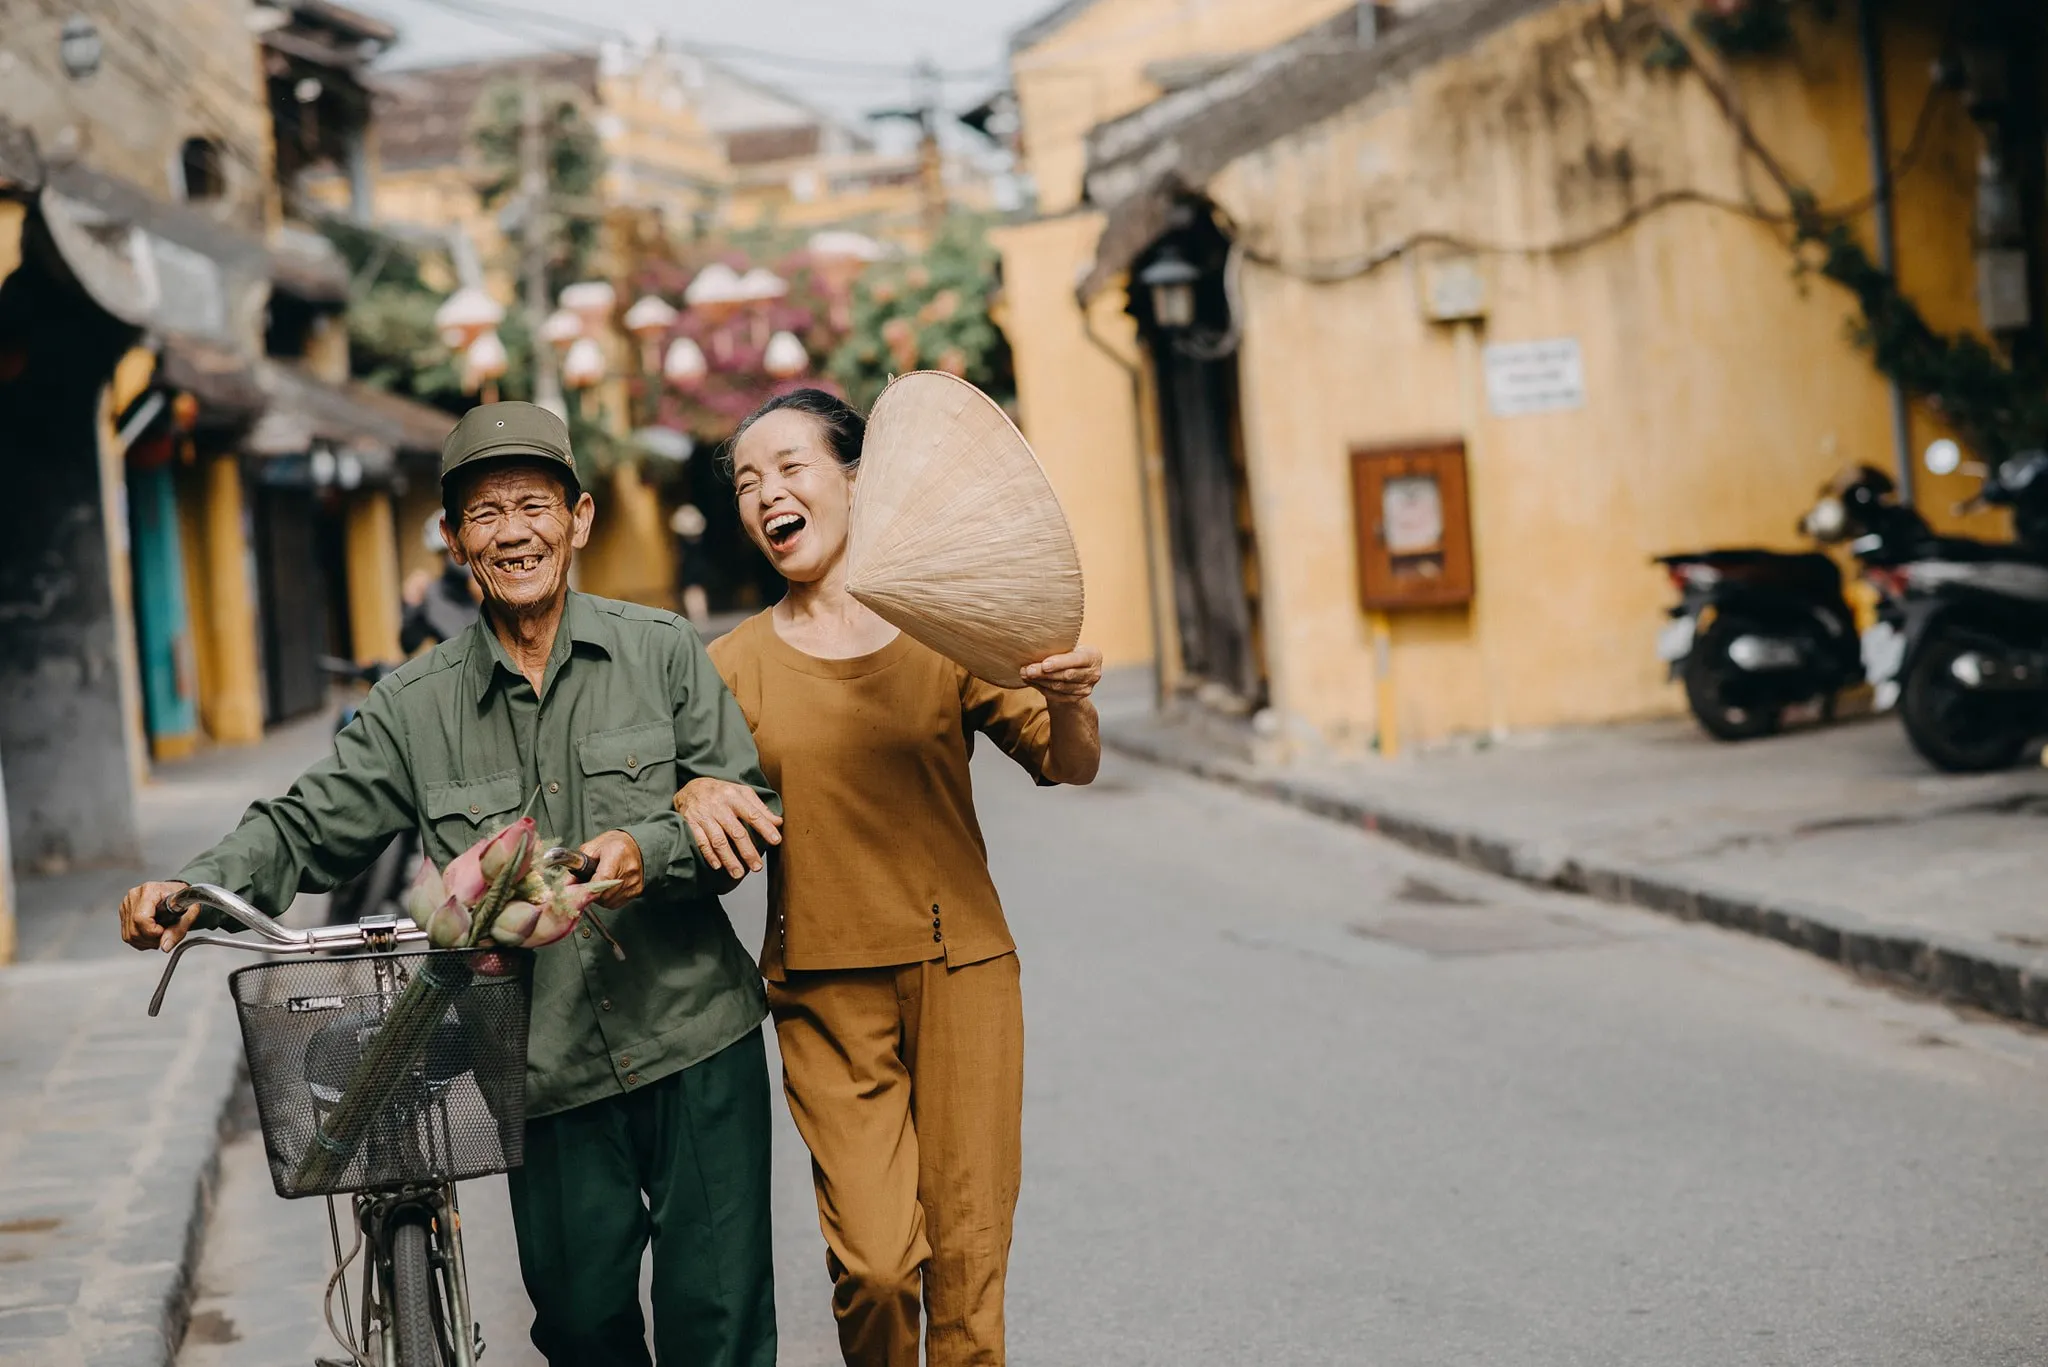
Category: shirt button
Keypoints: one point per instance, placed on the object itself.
(586, 932)
(475, 810)
(632, 763)
(936, 935)
(605, 1005)
(632, 1079)
(625, 1061)
(554, 787)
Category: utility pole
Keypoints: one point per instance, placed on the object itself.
(533, 191)
(931, 173)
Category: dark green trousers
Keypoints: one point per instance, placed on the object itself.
(682, 1162)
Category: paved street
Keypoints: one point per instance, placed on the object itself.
(1297, 1095)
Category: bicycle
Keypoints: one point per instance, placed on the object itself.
(458, 1112)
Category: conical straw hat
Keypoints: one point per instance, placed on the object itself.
(956, 536)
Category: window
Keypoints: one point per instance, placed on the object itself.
(203, 169)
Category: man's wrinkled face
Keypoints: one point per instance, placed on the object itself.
(519, 533)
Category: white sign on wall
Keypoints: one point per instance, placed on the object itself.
(1535, 377)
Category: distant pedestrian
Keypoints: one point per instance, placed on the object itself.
(892, 975)
(693, 563)
(439, 608)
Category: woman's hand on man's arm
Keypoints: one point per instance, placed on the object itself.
(724, 820)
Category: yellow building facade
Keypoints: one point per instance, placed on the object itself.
(1079, 66)
(1719, 388)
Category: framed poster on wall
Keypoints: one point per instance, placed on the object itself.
(1413, 527)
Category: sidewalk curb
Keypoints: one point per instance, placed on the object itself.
(1965, 972)
(183, 1291)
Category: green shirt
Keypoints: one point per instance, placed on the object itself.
(455, 743)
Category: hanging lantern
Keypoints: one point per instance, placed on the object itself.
(483, 365)
(649, 318)
(785, 357)
(716, 284)
(760, 285)
(584, 365)
(591, 301)
(684, 365)
(560, 328)
(465, 316)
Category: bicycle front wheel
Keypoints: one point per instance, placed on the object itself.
(412, 1297)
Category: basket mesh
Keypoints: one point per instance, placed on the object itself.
(445, 1102)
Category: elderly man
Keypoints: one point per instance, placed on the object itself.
(647, 1080)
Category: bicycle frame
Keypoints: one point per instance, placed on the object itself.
(375, 1212)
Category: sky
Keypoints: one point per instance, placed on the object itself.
(817, 37)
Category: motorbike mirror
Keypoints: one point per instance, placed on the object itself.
(1943, 457)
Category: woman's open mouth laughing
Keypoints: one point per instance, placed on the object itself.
(782, 529)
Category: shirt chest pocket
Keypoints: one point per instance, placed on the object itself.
(629, 775)
(464, 811)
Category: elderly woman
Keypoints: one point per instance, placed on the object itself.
(891, 973)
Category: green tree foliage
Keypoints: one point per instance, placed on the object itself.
(575, 165)
(391, 336)
(931, 312)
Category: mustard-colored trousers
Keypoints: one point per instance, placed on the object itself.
(907, 1083)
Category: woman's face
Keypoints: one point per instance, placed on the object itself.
(794, 496)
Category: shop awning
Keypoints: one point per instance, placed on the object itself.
(303, 412)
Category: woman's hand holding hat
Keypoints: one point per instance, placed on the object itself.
(1066, 679)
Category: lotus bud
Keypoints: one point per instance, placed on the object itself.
(515, 923)
(464, 879)
(426, 894)
(448, 926)
(515, 842)
(563, 909)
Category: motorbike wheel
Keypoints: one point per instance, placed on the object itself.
(1957, 729)
(1713, 685)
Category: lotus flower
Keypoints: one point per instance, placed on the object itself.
(514, 842)
(426, 894)
(515, 923)
(470, 877)
(448, 926)
(563, 908)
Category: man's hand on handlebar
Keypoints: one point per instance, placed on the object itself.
(618, 856)
(139, 926)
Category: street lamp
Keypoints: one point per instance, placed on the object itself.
(1171, 281)
(79, 47)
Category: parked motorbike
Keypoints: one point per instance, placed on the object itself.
(1971, 676)
(1757, 633)
(380, 886)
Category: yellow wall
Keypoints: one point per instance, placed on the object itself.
(1075, 406)
(1720, 391)
(169, 70)
(631, 554)
(1092, 69)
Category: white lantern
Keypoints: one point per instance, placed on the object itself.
(561, 328)
(685, 364)
(650, 317)
(486, 359)
(465, 316)
(760, 285)
(584, 365)
(590, 300)
(717, 283)
(785, 357)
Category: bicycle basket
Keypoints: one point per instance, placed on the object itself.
(381, 1070)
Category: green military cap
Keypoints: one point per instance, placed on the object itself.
(495, 431)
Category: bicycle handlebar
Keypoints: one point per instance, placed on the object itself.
(274, 938)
